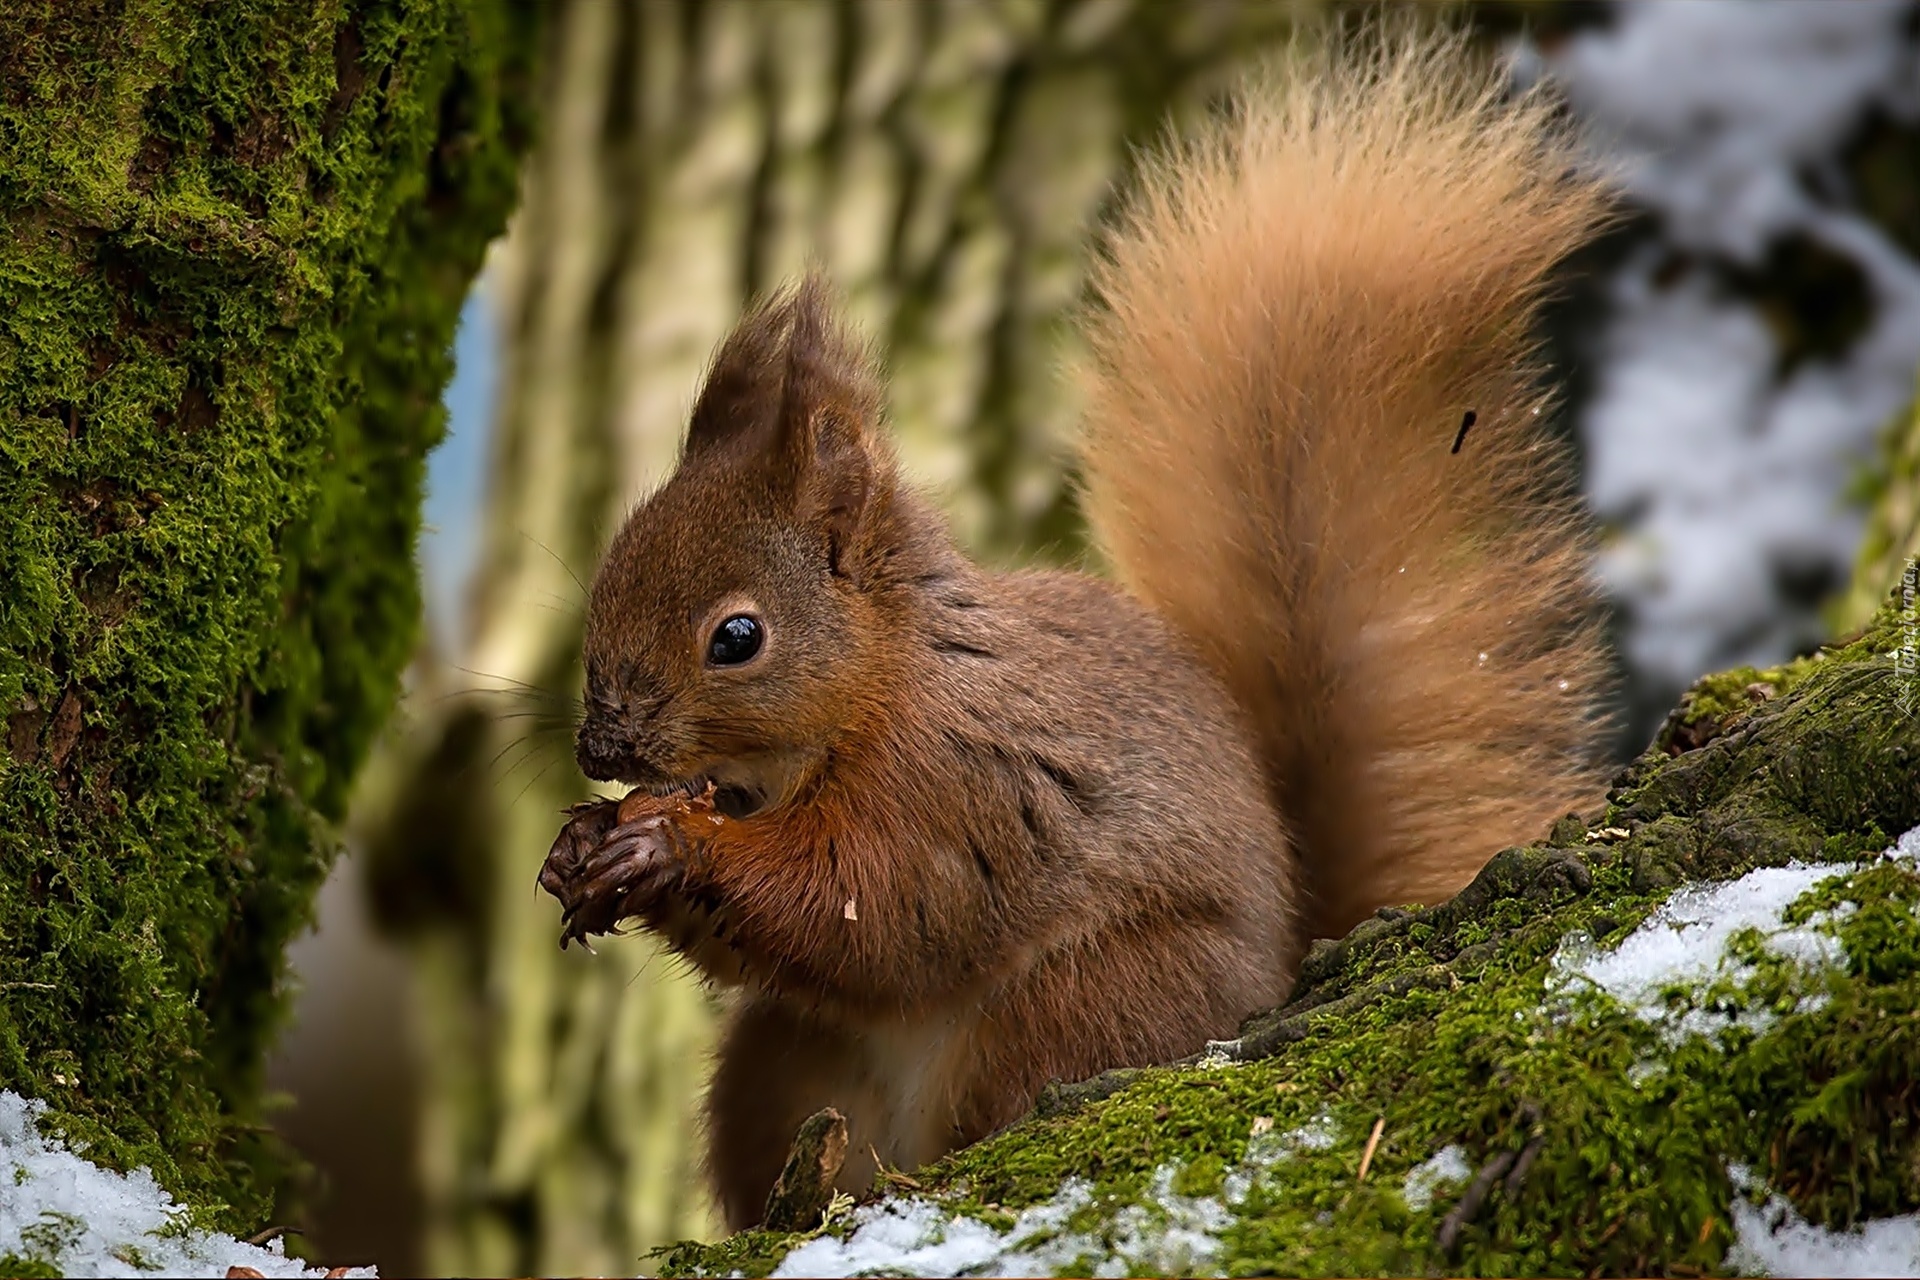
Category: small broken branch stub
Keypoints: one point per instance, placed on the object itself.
(805, 1187)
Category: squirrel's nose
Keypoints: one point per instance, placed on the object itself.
(603, 751)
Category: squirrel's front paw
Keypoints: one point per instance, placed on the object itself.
(587, 828)
(614, 861)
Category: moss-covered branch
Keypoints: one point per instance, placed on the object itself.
(234, 240)
(1530, 1120)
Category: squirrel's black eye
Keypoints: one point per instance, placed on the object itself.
(735, 640)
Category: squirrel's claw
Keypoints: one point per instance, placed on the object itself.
(604, 871)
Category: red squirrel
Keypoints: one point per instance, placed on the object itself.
(987, 830)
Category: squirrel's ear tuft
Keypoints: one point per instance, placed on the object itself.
(742, 388)
(829, 408)
(791, 391)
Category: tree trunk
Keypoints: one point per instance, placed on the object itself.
(234, 240)
(944, 163)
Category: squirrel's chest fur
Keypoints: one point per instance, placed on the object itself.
(1102, 776)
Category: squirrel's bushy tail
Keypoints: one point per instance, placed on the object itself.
(1298, 310)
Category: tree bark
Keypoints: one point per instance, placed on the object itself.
(234, 238)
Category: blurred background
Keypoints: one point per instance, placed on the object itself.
(1740, 360)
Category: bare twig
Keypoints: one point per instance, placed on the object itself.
(892, 1177)
(1373, 1142)
(1528, 1154)
(1476, 1195)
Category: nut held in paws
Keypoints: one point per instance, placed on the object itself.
(612, 856)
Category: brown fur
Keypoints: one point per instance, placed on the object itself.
(1061, 834)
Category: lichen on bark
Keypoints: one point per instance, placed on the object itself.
(234, 239)
(1449, 1026)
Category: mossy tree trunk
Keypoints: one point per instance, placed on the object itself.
(944, 162)
(234, 238)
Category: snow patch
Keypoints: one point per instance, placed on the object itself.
(88, 1221)
(1448, 1167)
(917, 1237)
(1685, 944)
(1774, 1240)
(1166, 1233)
(1178, 1235)
(1265, 1150)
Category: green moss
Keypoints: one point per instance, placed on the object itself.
(234, 239)
(1453, 1026)
(1716, 702)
